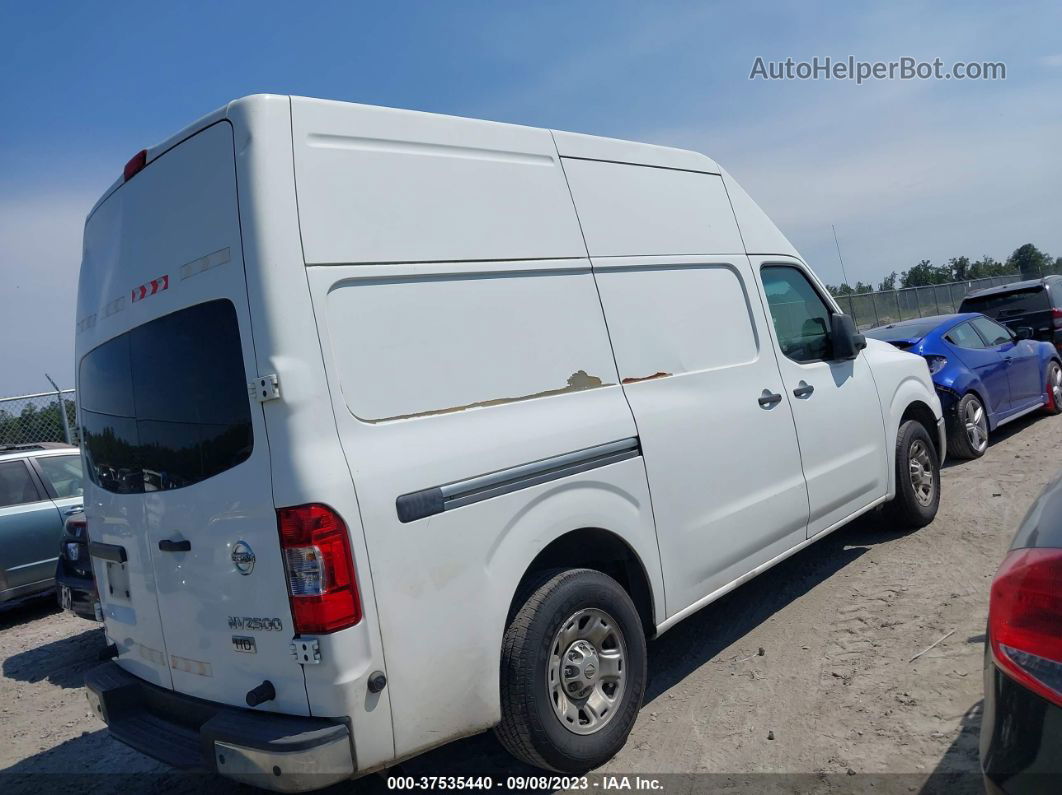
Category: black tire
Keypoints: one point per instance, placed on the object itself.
(959, 444)
(906, 509)
(530, 729)
(1053, 404)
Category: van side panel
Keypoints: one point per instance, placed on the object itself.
(308, 464)
(630, 210)
(445, 579)
(383, 185)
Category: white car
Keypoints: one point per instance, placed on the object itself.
(404, 426)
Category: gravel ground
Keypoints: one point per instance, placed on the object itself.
(805, 671)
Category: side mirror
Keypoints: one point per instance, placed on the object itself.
(847, 342)
(1023, 333)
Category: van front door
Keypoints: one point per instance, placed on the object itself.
(835, 403)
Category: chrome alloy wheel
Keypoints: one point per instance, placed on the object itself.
(586, 671)
(1054, 383)
(921, 472)
(976, 423)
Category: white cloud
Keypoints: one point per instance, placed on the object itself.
(1051, 60)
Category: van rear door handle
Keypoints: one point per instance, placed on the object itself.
(769, 399)
(804, 390)
(166, 545)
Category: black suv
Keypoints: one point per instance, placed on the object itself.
(1034, 304)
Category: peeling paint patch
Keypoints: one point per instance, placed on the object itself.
(578, 381)
(646, 378)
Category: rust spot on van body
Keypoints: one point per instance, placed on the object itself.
(646, 378)
(577, 382)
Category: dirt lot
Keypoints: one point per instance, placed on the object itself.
(805, 671)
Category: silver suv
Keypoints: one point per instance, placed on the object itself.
(40, 486)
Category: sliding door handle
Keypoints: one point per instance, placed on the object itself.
(803, 390)
(769, 399)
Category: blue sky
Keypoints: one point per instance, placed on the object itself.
(905, 169)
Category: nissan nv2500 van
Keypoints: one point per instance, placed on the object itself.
(401, 426)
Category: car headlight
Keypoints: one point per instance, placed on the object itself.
(936, 364)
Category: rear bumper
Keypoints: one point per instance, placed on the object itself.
(942, 438)
(285, 753)
(83, 595)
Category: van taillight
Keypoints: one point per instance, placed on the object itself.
(135, 165)
(1056, 318)
(1025, 620)
(320, 568)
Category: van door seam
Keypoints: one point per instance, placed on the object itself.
(335, 422)
(615, 361)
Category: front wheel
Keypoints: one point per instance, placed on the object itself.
(917, 477)
(1053, 388)
(573, 672)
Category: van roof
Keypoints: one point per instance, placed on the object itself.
(572, 145)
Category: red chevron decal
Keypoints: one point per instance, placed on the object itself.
(152, 287)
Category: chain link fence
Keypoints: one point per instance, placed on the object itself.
(878, 309)
(28, 419)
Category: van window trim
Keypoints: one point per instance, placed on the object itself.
(831, 306)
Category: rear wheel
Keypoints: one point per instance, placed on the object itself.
(968, 431)
(1054, 388)
(917, 477)
(573, 672)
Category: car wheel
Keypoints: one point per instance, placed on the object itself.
(968, 430)
(573, 671)
(917, 477)
(1053, 388)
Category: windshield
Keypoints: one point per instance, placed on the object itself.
(902, 331)
(165, 405)
(1018, 302)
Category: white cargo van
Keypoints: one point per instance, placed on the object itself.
(404, 426)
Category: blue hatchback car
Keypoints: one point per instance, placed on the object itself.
(985, 374)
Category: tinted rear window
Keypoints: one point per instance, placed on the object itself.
(1004, 305)
(905, 331)
(165, 405)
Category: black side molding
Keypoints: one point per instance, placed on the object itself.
(419, 504)
(111, 552)
(435, 500)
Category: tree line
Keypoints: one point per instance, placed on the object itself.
(1028, 261)
(36, 423)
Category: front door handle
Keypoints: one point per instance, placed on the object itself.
(769, 399)
(803, 390)
(166, 545)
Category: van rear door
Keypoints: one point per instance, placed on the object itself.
(175, 445)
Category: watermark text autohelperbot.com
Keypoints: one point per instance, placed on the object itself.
(905, 68)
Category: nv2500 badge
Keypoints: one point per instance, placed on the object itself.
(256, 624)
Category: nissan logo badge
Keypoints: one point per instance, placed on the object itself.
(243, 557)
